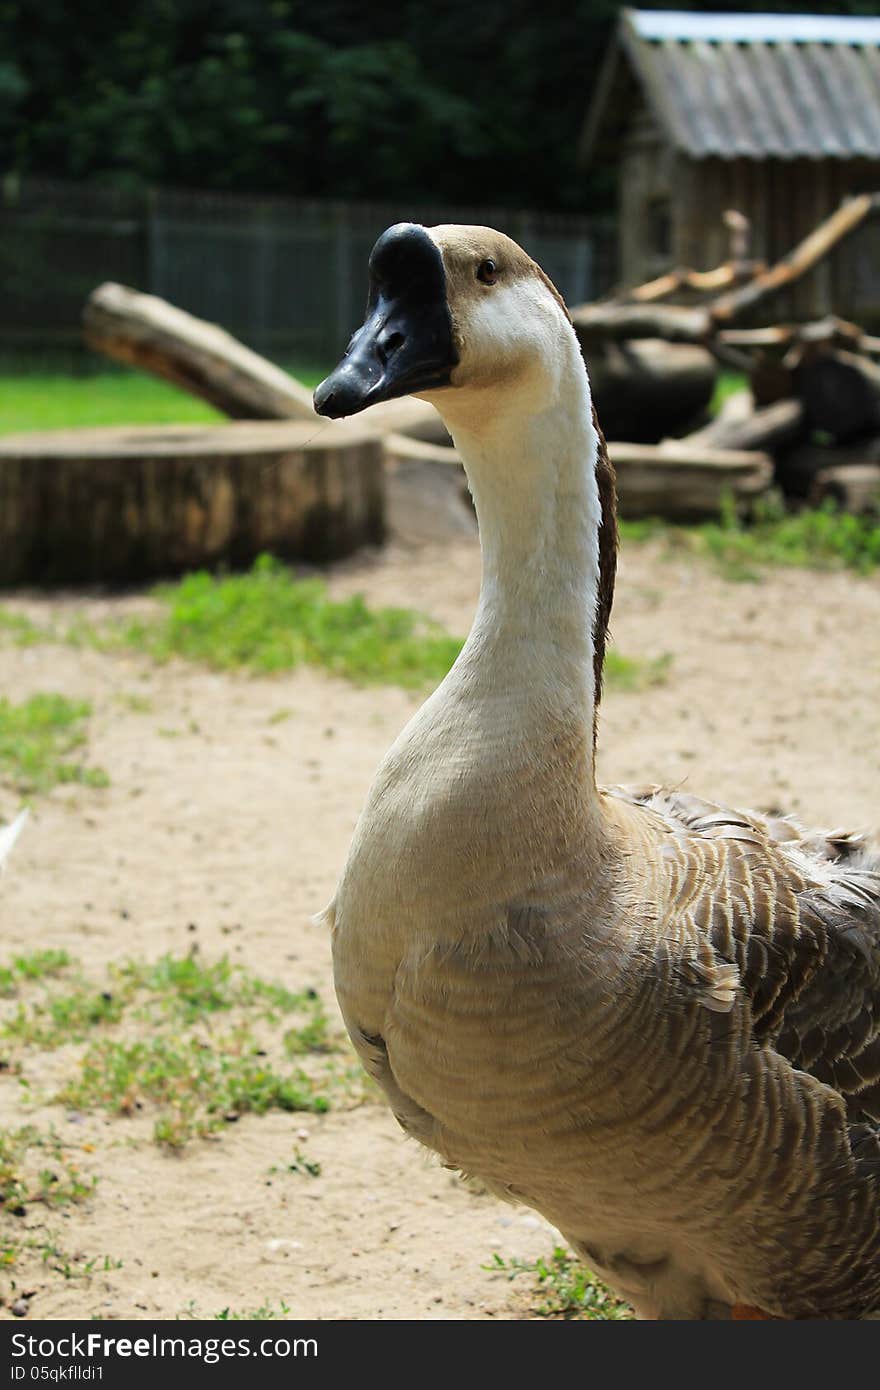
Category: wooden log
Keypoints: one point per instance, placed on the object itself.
(840, 392)
(697, 281)
(646, 390)
(674, 323)
(678, 324)
(202, 358)
(830, 329)
(680, 483)
(426, 491)
(853, 213)
(769, 429)
(853, 487)
(125, 505)
(676, 480)
(798, 469)
(147, 332)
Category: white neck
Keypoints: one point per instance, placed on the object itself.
(531, 465)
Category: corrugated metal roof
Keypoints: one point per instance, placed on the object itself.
(689, 25)
(757, 86)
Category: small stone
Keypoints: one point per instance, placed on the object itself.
(19, 1309)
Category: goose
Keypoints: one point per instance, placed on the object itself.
(653, 1019)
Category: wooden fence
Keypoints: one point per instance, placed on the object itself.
(287, 276)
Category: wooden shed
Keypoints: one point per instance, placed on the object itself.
(775, 115)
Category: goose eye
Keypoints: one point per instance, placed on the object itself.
(487, 272)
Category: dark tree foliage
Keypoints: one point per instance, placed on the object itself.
(451, 101)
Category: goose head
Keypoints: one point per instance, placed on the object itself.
(453, 313)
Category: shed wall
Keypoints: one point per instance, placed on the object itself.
(784, 200)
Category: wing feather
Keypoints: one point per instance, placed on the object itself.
(797, 912)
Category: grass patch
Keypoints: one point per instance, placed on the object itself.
(153, 1041)
(34, 966)
(298, 1164)
(198, 1085)
(264, 1313)
(631, 673)
(188, 1045)
(19, 631)
(36, 740)
(564, 1288)
(35, 1169)
(50, 400)
(267, 621)
(728, 384)
(823, 538)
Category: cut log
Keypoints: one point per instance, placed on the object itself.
(798, 469)
(840, 392)
(680, 483)
(125, 505)
(426, 492)
(675, 481)
(768, 430)
(596, 322)
(147, 332)
(646, 390)
(853, 487)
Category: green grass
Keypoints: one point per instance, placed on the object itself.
(188, 1045)
(265, 1312)
(728, 384)
(153, 1041)
(34, 966)
(50, 400)
(822, 538)
(564, 1288)
(19, 630)
(37, 738)
(39, 1170)
(630, 673)
(298, 1164)
(35, 1168)
(197, 1085)
(267, 621)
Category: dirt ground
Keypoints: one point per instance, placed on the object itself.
(233, 832)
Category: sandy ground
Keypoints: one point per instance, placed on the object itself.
(233, 831)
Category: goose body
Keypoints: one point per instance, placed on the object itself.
(653, 1019)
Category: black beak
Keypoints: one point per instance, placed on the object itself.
(406, 343)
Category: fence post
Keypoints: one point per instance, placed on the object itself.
(154, 249)
(345, 312)
(263, 266)
(583, 277)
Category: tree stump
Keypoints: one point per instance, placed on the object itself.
(647, 389)
(682, 483)
(122, 505)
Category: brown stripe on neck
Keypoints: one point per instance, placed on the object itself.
(608, 537)
(607, 562)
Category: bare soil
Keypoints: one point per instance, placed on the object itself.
(224, 828)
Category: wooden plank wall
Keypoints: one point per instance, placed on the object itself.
(784, 201)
